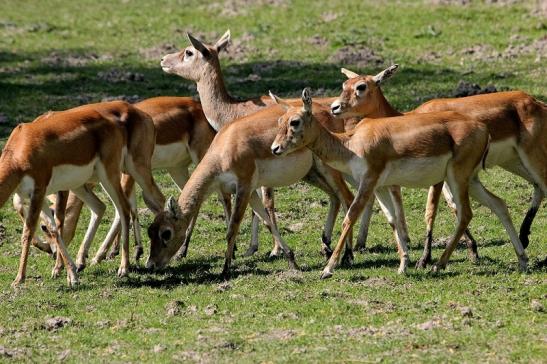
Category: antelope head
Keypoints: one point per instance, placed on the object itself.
(295, 126)
(359, 93)
(196, 60)
(166, 233)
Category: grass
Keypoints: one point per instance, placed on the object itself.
(54, 55)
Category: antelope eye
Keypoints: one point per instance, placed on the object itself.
(294, 123)
(188, 53)
(361, 87)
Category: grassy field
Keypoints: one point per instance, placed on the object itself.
(59, 54)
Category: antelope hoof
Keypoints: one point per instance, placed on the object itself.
(474, 258)
(437, 267)
(523, 264)
(327, 273)
(17, 282)
(80, 267)
(55, 272)
(139, 251)
(361, 248)
(122, 272)
(250, 251)
(326, 251)
(403, 266)
(225, 274)
(113, 254)
(347, 259)
(73, 282)
(276, 253)
(423, 262)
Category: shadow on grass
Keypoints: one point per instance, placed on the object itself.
(34, 82)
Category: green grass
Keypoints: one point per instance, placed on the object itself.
(365, 313)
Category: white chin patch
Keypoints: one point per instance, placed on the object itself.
(166, 69)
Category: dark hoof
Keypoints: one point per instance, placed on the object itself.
(225, 275)
(423, 262)
(347, 259)
(112, 255)
(139, 251)
(80, 267)
(250, 251)
(326, 251)
(360, 248)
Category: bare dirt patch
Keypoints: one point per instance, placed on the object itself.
(517, 47)
(58, 59)
(174, 308)
(116, 75)
(318, 41)
(55, 323)
(357, 56)
(128, 98)
(463, 89)
(240, 48)
(157, 52)
(232, 8)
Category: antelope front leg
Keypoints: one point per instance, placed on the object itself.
(242, 200)
(364, 193)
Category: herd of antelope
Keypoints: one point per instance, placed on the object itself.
(247, 148)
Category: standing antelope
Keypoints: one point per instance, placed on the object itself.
(65, 150)
(417, 150)
(200, 63)
(517, 124)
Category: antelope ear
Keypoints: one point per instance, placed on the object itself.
(279, 101)
(172, 207)
(306, 100)
(348, 73)
(199, 45)
(385, 74)
(222, 43)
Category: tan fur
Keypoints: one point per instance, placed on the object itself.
(507, 115)
(98, 132)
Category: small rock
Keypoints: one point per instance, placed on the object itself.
(537, 306)
(466, 312)
(224, 286)
(174, 308)
(210, 310)
(63, 355)
(428, 325)
(158, 348)
(55, 323)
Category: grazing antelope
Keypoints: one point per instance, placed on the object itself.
(238, 161)
(417, 150)
(517, 124)
(63, 151)
(200, 63)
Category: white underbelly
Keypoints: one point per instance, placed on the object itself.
(283, 171)
(170, 155)
(415, 172)
(502, 152)
(67, 176)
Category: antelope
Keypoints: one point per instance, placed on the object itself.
(200, 63)
(516, 122)
(63, 151)
(418, 150)
(238, 162)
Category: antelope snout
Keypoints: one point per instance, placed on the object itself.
(336, 108)
(276, 149)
